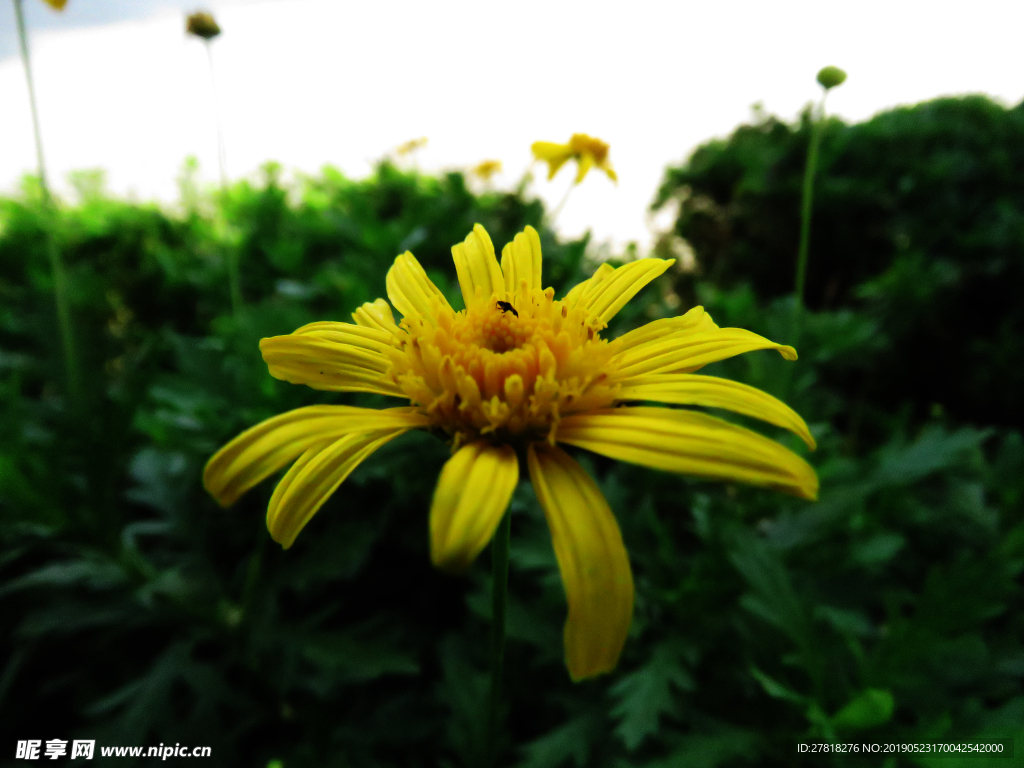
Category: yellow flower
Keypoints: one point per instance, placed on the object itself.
(515, 373)
(201, 24)
(587, 151)
(487, 168)
(411, 146)
(57, 5)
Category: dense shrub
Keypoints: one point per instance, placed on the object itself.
(918, 223)
(137, 612)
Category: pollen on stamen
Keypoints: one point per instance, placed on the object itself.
(489, 371)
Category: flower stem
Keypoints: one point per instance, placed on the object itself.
(50, 210)
(561, 204)
(234, 279)
(499, 564)
(817, 123)
(221, 154)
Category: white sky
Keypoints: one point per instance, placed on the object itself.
(309, 82)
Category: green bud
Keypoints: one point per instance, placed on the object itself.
(202, 25)
(830, 77)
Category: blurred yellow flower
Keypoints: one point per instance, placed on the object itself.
(487, 168)
(513, 374)
(411, 146)
(587, 151)
(201, 24)
(57, 5)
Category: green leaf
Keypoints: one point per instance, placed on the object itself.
(776, 689)
(722, 745)
(92, 574)
(358, 654)
(646, 694)
(869, 708)
(570, 740)
(935, 449)
(774, 598)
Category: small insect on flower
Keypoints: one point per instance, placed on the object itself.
(506, 306)
(514, 374)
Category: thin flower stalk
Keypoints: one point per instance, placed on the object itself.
(828, 78)
(202, 25)
(57, 271)
(499, 598)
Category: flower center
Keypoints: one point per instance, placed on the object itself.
(511, 369)
(504, 330)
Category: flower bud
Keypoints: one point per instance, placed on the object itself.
(830, 77)
(411, 146)
(201, 24)
(57, 5)
(487, 168)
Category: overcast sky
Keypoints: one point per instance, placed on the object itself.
(308, 82)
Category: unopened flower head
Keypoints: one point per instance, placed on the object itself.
(411, 146)
(201, 24)
(514, 374)
(57, 5)
(487, 168)
(830, 77)
(587, 151)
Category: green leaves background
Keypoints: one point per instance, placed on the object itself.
(137, 612)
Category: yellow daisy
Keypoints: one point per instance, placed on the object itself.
(487, 168)
(413, 145)
(513, 374)
(57, 5)
(587, 151)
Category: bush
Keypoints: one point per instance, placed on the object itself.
(137, 612)
(918, 223)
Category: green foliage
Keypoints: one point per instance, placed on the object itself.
(138, 612)
(918, 223)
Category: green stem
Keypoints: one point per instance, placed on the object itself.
(50, 209)
(499, 564)
(561, 204)
(234, 278)
(807, 204)
(221, 153)
(234, 281)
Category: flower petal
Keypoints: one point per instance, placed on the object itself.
(555, 155)
(610, 171)
(606, 297)
(713, 392)
(314, 477)
(592, 558)
(549, 150)
(686, 351)
(586, 162)
(479, 274)
(413, 293)
(339, 357)
(377, 315)
(521, 263)
(696, 319)
(347, 333)
(472, 494)
(265, 448)
(691, 443)
(580, 291)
